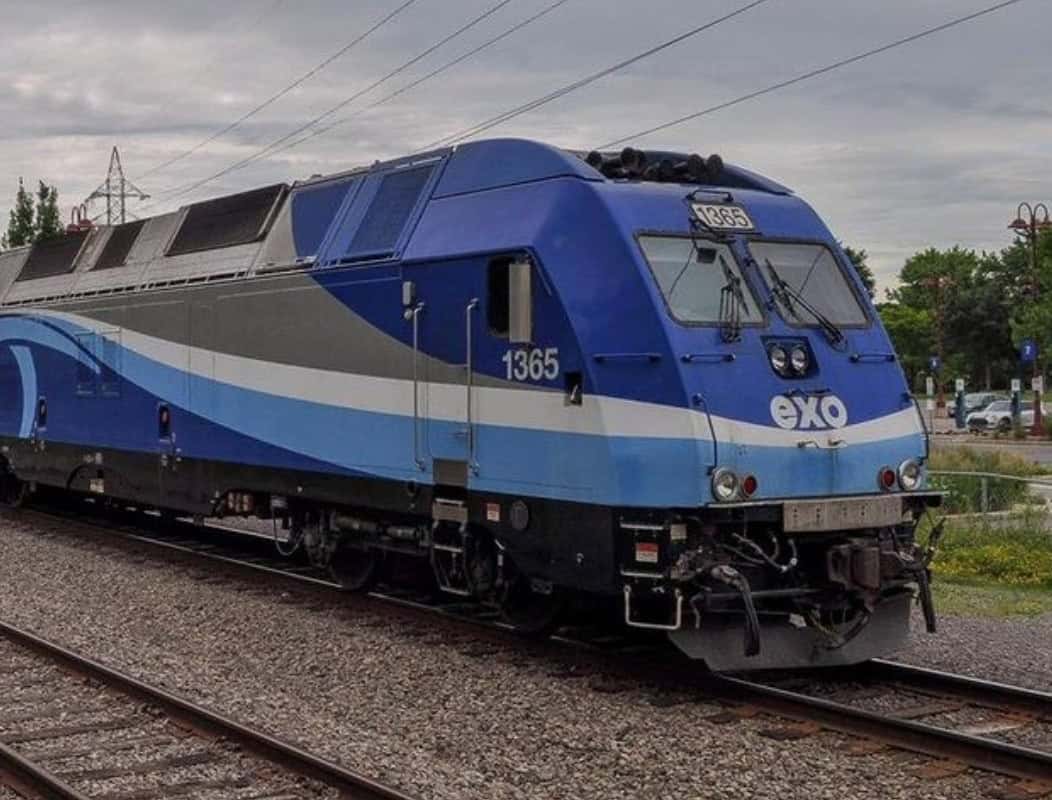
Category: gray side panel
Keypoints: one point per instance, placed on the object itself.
(287, 319)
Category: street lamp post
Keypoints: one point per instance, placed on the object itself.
(1029, 222)
(937, 283)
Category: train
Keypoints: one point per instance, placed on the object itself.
(649, 381)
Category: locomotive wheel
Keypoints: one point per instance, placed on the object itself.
(532, 613)
(356, 569)
(13, 492)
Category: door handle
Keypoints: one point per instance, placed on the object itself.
(415, 316)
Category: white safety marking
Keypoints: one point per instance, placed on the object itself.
(532, 409)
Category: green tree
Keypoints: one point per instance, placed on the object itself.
(48, 221)
(21, 227)
(968, 299)
(912, 332)
(858, 259)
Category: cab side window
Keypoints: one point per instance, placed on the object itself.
(498, 297)
(509, 299)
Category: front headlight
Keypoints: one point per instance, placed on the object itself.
(910, 475)
(799, 360)
(724, 485)
(779, 360)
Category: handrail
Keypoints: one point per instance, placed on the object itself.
(472, 463)
(857, 358)
(708, 358)
(416, 385)
(924, 425)
(651, 357)
(1037, 480)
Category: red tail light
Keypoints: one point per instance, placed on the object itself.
(887, 478)
(749, 485)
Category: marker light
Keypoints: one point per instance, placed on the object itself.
(749, 486)
(724, 485)
(886, 478)
(799, 360)
(779, 360)
(910, 475)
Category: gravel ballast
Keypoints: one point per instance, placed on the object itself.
(1015, 650)
(438, 716)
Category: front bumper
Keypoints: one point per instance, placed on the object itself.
(785, 646)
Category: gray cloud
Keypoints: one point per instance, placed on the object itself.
(933, 144)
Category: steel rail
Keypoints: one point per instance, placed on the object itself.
(283, 753)
(32, 780)
(977, 691)
(983, 753)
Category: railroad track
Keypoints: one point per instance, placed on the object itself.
(960, 721)
(72, 729)
(919, 726)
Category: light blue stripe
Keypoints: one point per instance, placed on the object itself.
(27, 371)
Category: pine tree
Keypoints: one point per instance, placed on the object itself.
(48, 222)
(21, 229)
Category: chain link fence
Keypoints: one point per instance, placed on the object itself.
(994, 499)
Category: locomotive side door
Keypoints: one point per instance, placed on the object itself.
(457, 341)
(444, 312)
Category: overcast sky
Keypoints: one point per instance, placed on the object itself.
(931, 144)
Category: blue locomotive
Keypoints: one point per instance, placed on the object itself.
(645, 377)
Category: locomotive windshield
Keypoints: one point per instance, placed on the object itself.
(691, 279)
(812, 272)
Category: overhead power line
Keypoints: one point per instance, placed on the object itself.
(433, 74)
(774, 87)
(171, 194)
(306, 76)
(579, 84)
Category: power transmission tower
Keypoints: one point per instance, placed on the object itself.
(116, 191)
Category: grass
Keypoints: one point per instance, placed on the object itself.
(961, 598)
(995, 569)
(997, 565)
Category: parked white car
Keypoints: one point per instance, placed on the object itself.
(998, 417)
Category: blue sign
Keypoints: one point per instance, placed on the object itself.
(1028, 351)
(934, 364)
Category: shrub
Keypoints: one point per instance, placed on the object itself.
(1016, 556)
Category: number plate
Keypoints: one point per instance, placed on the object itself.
(837, 515)
(723, 217)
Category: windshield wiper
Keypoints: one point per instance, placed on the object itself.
(787, 295)
(732, 304)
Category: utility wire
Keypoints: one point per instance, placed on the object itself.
(572, 87)
(774, 87)
(434, 73)
(171, 194)
(281, 93)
